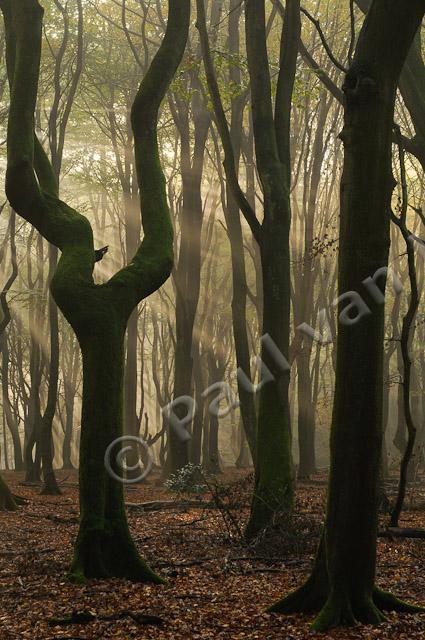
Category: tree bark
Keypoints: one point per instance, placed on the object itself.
(234, 230)
(97, 313)
(273, 492)
(7, 501)
(356, 435)
(10, 420)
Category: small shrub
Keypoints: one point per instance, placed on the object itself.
(187, 480)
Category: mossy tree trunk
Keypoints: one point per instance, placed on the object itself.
(274, 488)
(412, 89)
(343, 580)
(7, 501)
(104, 546)
(97, 313)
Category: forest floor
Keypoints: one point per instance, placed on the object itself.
(216, 587)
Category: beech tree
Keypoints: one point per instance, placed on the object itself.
(274, 487)
(342, 585)
(7, 501)
(97, 313)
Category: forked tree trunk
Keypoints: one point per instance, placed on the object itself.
(274, 491)
(97, 313)
(274, 487)
(343, 582)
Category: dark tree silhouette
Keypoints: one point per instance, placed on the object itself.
(342, 585)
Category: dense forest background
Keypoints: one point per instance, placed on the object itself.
(93, 57)
(211, 265)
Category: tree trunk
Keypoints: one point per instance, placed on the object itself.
(356, 434)
(10, 420)
(33, 418)
(400, 436)
(69, 425)
(131, 425)
(132, 239)
(103, 523)
(306, 417)
(97, 313)
(188, 271)
(50, 486)
(7, 501)
(244, 459)
(198, 421)
(274, 490)
(234, 230)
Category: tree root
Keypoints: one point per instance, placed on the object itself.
(396, 532)
(109, 553)
(340, 610)
(7, 501)
(309, 598)
(388, 602)
(312, 595)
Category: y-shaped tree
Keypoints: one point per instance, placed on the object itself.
(97, 313)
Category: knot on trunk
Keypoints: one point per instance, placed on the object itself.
(359, 85)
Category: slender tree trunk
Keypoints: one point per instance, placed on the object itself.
(216, 374)
(234, 230)
(69, 426)
(198, 421)
(188, 271)
(407, 335)
(33, 418)
(7, 409)
(130, 395)
(306, 410)
(306, 417)
(400, 436)
(131, 424)
(50, 485)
